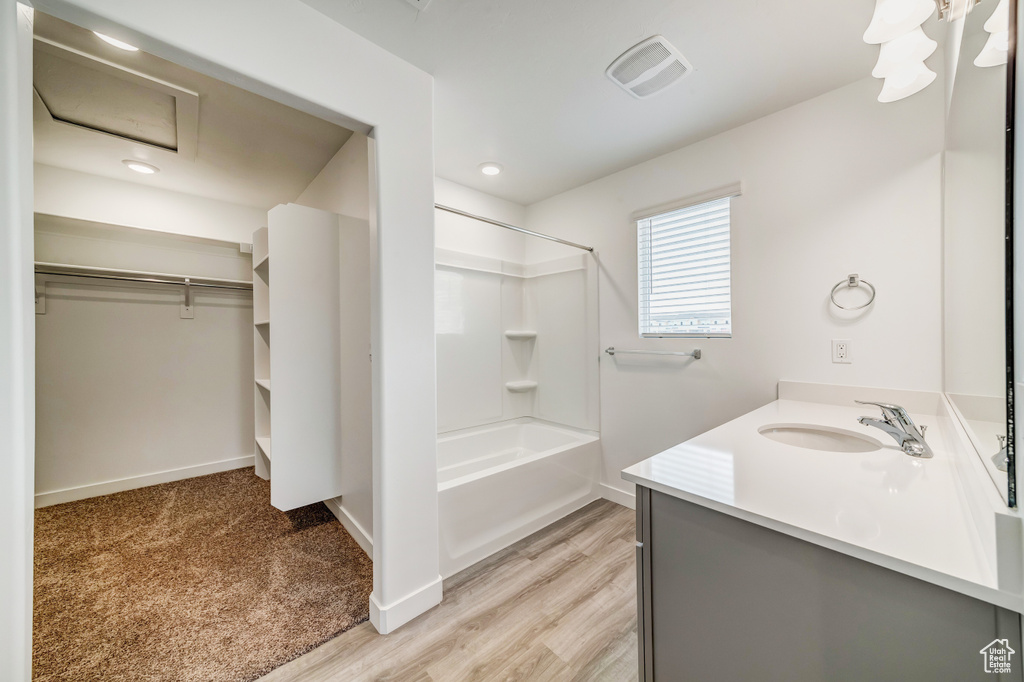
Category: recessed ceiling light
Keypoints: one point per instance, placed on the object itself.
(140, 167)
(490, 168)
(120, 44)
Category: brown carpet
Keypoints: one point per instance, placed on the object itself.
(194, 580)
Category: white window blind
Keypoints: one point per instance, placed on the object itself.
(684, 271)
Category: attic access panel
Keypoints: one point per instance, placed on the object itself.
(93, 94)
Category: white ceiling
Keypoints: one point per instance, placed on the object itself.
(245, 149)
(522, 82)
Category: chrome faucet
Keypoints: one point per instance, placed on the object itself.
(1001, 459)
(897, 423)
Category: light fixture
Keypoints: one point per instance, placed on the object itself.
(997, 47)
(120, 44)
(490, 168)
(951, 10)
(141, 167)
(905, 81)
(911, 47)
(1000, 19)
(894, 18)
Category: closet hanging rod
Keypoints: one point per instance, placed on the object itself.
(513, 227)
(134, 276)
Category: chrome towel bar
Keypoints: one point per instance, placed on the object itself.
(695, 354)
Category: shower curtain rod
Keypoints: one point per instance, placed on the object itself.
(513, 227)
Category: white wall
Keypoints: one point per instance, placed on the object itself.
(483, 288)
(475, 307)
(17, 341)
(343, 187)
(68, 193)
(457, 233)
(278, 49)
(564, 357)
(128, 394)
(344, 183)
(832, 186)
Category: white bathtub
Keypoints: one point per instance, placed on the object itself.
(497, 484)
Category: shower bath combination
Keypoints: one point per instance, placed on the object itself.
(517, 377)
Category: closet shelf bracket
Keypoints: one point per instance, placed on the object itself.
(187, 312)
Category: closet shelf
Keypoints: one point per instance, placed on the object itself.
(264, 443)
(261, 262)
(261, 323)
(520, 386)
(520, 334)
(263, 383)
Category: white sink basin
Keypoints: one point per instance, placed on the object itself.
(813, 437)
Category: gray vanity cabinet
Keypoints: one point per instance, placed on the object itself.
(723, 599)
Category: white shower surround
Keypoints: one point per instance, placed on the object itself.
(517, 348)
(501, 482)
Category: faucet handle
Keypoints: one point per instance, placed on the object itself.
(894, 414)
(889, 411)
(884, 406)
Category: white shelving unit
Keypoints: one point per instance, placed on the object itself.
(303, 412)
(521, 385)
(264, 443)
(261, 347)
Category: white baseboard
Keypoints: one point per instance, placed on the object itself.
(623, 497)
(132, 482)
(357, 532)
(389, 618)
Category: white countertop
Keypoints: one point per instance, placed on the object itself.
(900, 512)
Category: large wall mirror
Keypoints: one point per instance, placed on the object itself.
(975, 248)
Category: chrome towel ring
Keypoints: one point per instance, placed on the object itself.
(852, 281)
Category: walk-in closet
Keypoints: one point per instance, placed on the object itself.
(203, 402)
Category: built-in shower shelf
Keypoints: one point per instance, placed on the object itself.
(264, 443)
(520, 335)
(520, 386)
(263, 383)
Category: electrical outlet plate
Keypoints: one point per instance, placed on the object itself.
(841, 351)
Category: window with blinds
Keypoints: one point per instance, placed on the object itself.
(683, 261)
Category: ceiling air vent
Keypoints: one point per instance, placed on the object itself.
(648, 67)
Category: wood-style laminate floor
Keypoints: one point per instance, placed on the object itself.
(559, 605)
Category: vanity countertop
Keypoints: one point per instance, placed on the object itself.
(903, 513)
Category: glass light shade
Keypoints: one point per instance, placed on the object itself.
(894, 18)
(996, 50)
(911, 47)
(1000, 19)
(905, 81)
